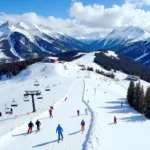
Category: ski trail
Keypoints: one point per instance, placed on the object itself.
(64, 114)
(84, 145)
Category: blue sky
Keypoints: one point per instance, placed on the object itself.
(56, 8)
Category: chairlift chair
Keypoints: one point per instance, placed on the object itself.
(14, 104)
(47, 88)
(26, 99)
(36, 83)
(8, 111)
(40, 97)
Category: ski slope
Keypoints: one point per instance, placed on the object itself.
(101, 95)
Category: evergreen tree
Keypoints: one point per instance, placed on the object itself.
(147, 103)
(141, 100)
(136, 96)
(130, 94)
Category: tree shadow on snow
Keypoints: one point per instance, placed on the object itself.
(120, 109)
(136, 118)
(43, 144)
(117, 102)
(74, 132)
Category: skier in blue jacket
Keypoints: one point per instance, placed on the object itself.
(82, 125)
(59, 130)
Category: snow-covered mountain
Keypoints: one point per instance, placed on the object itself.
(139, 51)
(90, 37)
(118, 38)
(25, 40)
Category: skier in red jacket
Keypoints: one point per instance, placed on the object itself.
(30, 126)
(78, 112)
(50, 113)
(115, 119)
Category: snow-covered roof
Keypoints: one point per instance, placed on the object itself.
(53, 58)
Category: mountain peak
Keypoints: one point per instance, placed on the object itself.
(5, 25)
(132, 29)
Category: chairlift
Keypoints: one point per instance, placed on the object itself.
(14, 104)
(26, 99)
(40, 97)
(8, 111)
(47, 88)
(36, 83)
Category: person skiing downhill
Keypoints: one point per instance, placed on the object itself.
(50, 113)
(86, 111)
(59, 130)
(30, 125)
(115, 119)
(82, 125)
(38, 123)
(78, 112)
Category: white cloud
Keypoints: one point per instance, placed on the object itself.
(91, 18)
(138, 3)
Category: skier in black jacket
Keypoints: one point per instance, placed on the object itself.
(30, 125)
(38, 123)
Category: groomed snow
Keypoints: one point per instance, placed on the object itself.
(102, 96)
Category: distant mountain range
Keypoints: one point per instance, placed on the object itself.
(25, 40)
(132, 41)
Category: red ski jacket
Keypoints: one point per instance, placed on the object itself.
(50, 111)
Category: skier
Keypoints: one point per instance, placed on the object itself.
(59, 130)
(30, 125)
(65, 98)
(115, 119)
(0, 114)
(121, 103)
(11, 110)
(82, 125)
(50, 112)
(38, 123)
(86, 111)
(78, 112)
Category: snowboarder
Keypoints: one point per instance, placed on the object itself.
(78, 112)
(38, 123)
(115, 119)
(30, 125)
(59, 130)
(82, 125)
(50, 113)
(65, 98)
